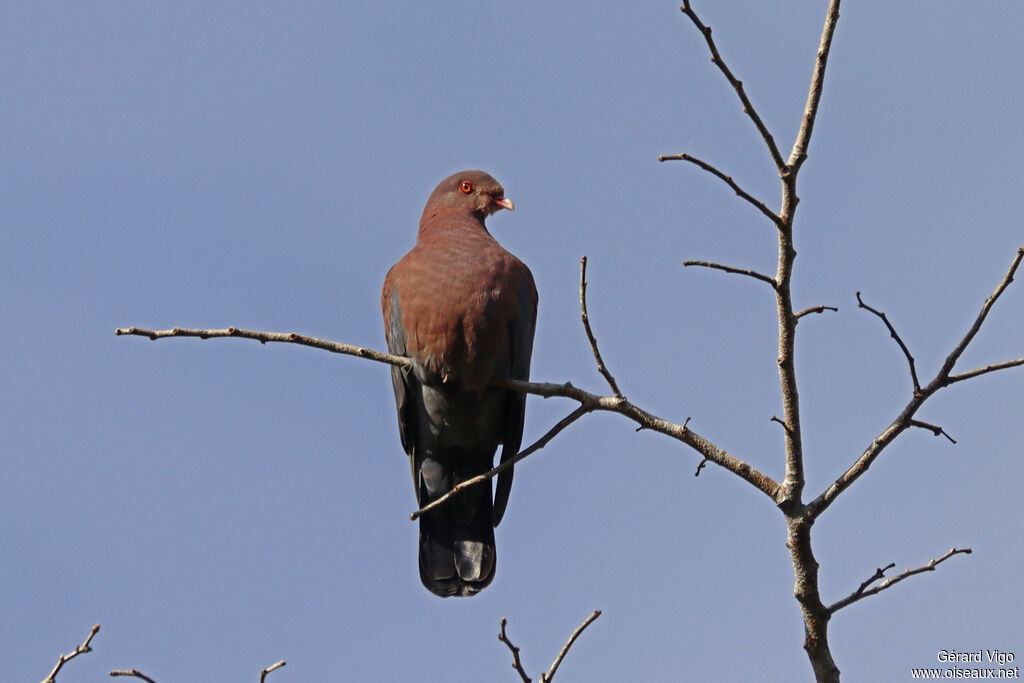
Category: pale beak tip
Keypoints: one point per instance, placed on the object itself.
(505, 203)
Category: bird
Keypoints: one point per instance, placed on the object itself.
(464, 310)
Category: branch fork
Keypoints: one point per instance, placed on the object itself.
(547, 676)
(863, 591)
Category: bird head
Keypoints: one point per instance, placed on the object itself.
(475, 191)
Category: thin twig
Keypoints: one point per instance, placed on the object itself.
(264, 337)
(480, 478)
(546, 678)
(775, 418)
(273, 667)
(877, 576)
(863, 591)
(896, 336)
(516, 663)
(80, 650)
(729, 269)
(934, 429)
(748, 108)
(815, 309)
(700, 466)
(590, 334)
(952, 379)
(135, 673)
(954, 356)
(740, 192)
(132, 673)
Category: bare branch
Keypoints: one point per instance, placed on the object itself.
(264, 337)
(896, 336)
(952, 379)
(700, 466)
(590, 334)
(748, 108)
(798, 519)
(803, 137)
(906, 417)
(899, 425)
(516, 663)
(934, 429)
(815, 309)
(135, 673)
(473, 481)
(546, 678)
(954, 356)
(729, 269)
(132, 673)
(785, 426)
(273, 667)
(646, 420)
(795, 479)
(592, 402)
(740, 192)
(877, 576)
(863, 591)
(80, 650)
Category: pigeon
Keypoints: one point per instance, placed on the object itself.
(463, 309)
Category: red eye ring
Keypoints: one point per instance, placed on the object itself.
(465, 187)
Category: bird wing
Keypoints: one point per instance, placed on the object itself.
(521, 330)
(402, 379)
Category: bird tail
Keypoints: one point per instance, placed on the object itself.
(457, 556)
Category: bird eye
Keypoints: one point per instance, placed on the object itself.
(465, 187)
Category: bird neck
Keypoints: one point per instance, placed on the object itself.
(453, 222)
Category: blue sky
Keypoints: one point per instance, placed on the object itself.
(219, 505)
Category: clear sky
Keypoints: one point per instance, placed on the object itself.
(219, 505)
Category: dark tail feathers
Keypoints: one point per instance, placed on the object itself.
(457, 555)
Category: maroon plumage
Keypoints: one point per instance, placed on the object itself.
(463, 309)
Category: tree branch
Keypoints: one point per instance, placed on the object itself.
(80, 650)
(740, 192)
(896, 336)
(954, 356)
(730, 269)
(815, 309)
(863, 591)
(952, 379)
(516, 663)
(546, 678)
(700, 466)
(590, 334)
(593, 402)
(277, 337)
(646, 420)
(273, 667)
(934, 429)
(798, 522)
(748, 108)
(798, 154)
(135, 673)
(131, 673)
(473, 481)
(906, 417)
(549, 675)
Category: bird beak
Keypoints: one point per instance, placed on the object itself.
(505, 203)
